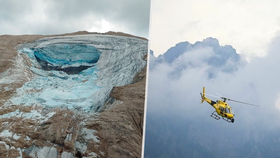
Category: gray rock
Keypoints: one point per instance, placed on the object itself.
(66, 155)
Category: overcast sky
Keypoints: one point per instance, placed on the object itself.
(247, 25)
(66, 16)
(255, 82)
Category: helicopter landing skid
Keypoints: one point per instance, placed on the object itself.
(228, 120)
(215, 116)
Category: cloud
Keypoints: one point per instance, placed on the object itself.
(53, 17)
(247, 25)
(180, 81)
(176, 99)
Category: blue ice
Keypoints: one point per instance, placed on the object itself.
(57, 88)
(65, 55)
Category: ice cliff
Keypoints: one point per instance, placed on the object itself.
(78, 72)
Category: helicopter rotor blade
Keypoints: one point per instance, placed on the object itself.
(236, 100)
(212, 95)
(242, 102)
(219, 95)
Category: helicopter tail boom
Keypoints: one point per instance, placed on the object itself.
(203, 95)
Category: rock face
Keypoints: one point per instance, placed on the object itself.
(109, 121)
(126, 120)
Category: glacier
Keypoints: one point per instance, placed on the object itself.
(69, 58)
(78, 72)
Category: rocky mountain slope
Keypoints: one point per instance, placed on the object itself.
(33, 126)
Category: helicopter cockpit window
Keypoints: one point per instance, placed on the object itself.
(221, 109)
(227, 110)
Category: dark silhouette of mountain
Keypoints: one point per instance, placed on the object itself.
(217, 57)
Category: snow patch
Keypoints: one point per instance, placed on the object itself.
(102, 153)
(6, 133)
(89, 134)
(66, 155)
(91, 155)
(20, 153)
(45, 152)
(10, 114)
(16, 136)
(33, 115)
(6, 89)
(26, 138)
(80, 147)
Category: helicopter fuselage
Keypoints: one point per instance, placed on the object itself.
(221, 108)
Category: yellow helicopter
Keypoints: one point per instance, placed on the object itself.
(221, 107)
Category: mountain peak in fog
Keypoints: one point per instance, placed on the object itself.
(207, 52)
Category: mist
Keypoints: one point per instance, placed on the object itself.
(174, 110)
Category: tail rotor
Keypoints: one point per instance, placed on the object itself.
(203, 95)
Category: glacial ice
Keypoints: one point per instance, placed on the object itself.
(66, 57)
(33, 115)
(103, 61)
